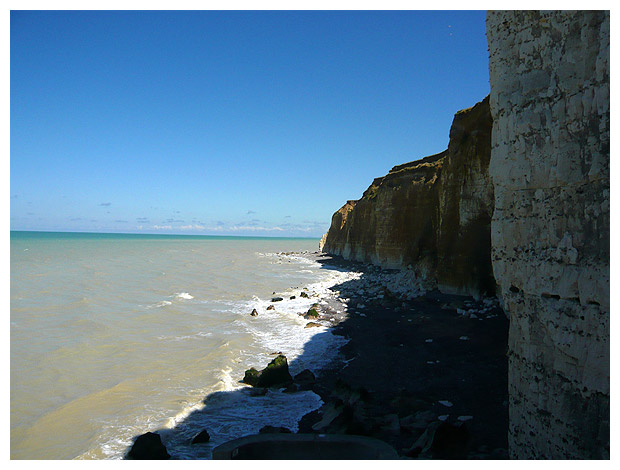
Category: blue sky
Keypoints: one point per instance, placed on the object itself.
(242, 123)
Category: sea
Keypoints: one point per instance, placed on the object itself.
(114, 335)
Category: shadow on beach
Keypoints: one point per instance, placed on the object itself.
(409, 367)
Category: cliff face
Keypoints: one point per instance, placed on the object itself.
(433, 214)
(549, 76)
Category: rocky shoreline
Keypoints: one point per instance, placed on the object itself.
(423, 371)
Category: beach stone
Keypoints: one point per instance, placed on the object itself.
(277, 299)
(202, 437)
(418, 421)
(390, 424)
(254, 313)
(275, 374)
(148, 447)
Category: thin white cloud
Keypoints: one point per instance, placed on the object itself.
(192, 227)
(255, 228)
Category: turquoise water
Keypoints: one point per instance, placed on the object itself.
(113, 335)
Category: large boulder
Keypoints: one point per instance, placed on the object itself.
(275, 374)
(148, 447)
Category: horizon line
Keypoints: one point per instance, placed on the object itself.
(163, 234)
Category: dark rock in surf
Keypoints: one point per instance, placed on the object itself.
(271, 307)
(275, 374)
(254, 313)
(251, 377)
(202, 437)
(148, 447)
(313, 313)
(277, 299)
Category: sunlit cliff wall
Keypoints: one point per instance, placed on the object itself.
(433, 214)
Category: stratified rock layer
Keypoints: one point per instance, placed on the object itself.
(433, 214)
(549, 75)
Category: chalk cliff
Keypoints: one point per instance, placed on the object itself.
(524, 209)
(549, 75)
(433, 214)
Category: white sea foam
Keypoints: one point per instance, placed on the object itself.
(201, 334)
(183, 295)
(163, 303)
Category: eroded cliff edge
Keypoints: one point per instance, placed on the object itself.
(432, 214)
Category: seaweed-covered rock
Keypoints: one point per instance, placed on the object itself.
(202, 437)
(275, 374)
(148, 447)
(312, 325)
(304, 295)
(312, 313)
(251, 377)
